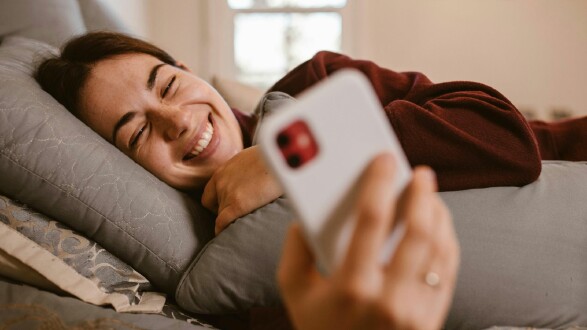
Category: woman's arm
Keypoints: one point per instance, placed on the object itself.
(469, 133)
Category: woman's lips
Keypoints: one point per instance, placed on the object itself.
(203, 142)
(207, 144)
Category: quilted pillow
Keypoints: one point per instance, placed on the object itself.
(54, 163)
(69, 262)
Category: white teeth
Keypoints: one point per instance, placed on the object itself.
(204, 140)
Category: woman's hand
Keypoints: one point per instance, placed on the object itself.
(240, 186)
(413, 291)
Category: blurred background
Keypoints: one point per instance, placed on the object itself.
(533, 51)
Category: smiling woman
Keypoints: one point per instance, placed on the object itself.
(162, 116)
(147, 104)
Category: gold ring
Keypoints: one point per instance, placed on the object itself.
(432, 279)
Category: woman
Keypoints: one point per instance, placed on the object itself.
(174, 124)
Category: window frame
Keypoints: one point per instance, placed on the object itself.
(220, 31)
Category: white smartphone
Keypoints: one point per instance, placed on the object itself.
(318, 147)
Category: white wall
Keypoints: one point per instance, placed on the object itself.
(179, 26)
(533, 51)
(134, 13)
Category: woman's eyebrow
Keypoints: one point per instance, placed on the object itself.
(153, 75)
(121, 122)
(129, 115)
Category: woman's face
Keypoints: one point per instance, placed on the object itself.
(165, 118)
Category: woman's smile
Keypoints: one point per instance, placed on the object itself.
(204, 143)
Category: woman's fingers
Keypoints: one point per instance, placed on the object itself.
(416, 210)
(375, 208)
(425, 263)
(447, 245)
(226, 215)
(297, 270)
(210, 196)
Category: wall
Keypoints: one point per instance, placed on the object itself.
(179, 26)
(533, 51)
(134, 13)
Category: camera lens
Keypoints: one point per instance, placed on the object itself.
(282, 140)
(294, 161)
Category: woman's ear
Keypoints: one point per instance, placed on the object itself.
(182, 66)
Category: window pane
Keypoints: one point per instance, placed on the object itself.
(269, 45)
(248, 4)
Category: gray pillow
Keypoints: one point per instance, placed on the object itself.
(53, 162)
(524, 252)
(236, 270)
(524, 256)
(24, 307)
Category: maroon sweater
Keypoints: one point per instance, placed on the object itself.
(470, 134)
(563, 140)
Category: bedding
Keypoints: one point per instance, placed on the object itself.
(67, 262)
(25, 307)
(53, 162)
(44, 253)
(522, 256)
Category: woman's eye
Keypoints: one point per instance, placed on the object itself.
(168, 87)
(137, 136)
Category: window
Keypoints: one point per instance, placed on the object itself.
(271, 37)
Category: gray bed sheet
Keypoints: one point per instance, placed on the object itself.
(25, 307)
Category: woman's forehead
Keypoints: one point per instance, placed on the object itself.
(118, 76)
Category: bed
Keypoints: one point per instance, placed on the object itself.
(90, 239)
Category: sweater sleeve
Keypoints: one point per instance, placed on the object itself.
(563, 140)
(469, 133)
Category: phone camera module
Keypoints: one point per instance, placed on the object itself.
(297, 144)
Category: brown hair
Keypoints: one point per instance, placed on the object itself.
(64, 76)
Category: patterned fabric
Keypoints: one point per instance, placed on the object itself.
(86, 257)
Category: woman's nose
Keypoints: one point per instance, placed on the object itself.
(174, 121)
